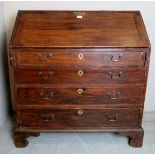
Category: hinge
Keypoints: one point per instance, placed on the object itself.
(144, 57)
(11, 59)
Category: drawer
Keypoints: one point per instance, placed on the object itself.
(83, 75)
(83, 118)
(80, 58)
(81, 95)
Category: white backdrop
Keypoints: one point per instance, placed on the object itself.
(3, 67)
(147, 9)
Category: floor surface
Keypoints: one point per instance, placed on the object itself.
(79, 142)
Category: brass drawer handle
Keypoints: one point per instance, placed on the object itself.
(45, 77)
(80, 112)
(112, 118)
(49, 55)
(80, 56)
(47, 117)
(113, 76)
(80, 72)
(113, 96)
(80, 91)
(47, 96)
(114, 59)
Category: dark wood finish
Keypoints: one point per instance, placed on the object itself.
(21, 138)
(62, 29)
(98, 75)
(135, 137)
(79, 118)
(90, 95)
(71, 57)
(79, 72)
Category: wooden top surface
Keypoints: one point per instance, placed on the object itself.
(62, 29)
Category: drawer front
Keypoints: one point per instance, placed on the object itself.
(83, 118)
(81, 58)
(83, 75)
(81, 95)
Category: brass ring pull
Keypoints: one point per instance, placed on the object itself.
(118, 76)
(80, 56)
(113, 97)
(47, 96)
(112, 118)
(47, 117)
(80, 72)
(80, 91)
(46, 57)
(45, 77)
(80, 112)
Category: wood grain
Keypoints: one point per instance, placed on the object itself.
(70, 75)
(90, 95)
(48, 28)
(59, 119)
(86, 74)
(68, 58)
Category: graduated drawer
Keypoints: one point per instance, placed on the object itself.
(83, 75)
(79, 118)
(81, 95)
(80, 58)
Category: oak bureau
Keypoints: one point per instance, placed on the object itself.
(79, 71)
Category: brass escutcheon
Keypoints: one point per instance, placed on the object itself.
(80, 112)
(80, 72)
(79, 14)
(80, 91)
(80, 56)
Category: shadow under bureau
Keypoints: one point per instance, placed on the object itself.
(78, 71)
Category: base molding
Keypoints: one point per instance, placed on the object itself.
(135, 135)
